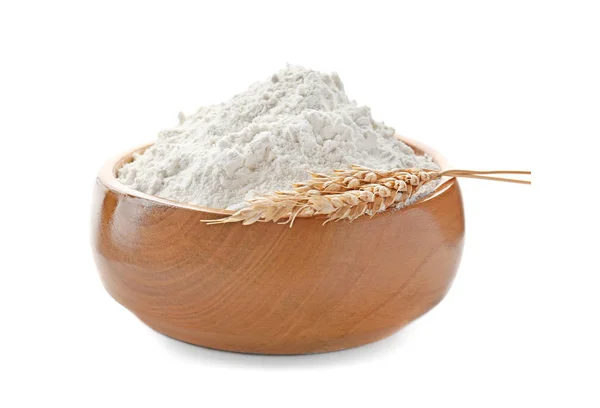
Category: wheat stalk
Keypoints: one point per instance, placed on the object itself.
(347, 194)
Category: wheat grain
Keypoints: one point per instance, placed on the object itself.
(345, 194)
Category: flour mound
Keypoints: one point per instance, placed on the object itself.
(265, 139)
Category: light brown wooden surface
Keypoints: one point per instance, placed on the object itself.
(269, 289)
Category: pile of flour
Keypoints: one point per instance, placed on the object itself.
(265, 139)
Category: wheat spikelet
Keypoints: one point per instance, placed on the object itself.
(345, 194)
(348, 194)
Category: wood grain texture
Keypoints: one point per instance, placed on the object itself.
(269, 289)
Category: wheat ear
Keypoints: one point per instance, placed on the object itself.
(348, 194)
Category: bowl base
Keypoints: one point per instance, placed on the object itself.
(239, 344)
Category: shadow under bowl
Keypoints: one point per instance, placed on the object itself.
(268, 288)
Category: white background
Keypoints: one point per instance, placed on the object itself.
(511, 84)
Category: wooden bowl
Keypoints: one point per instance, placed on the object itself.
(268, 288)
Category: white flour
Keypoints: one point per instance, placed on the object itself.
(265, 139)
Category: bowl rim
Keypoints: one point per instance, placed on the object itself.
(107, 176)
